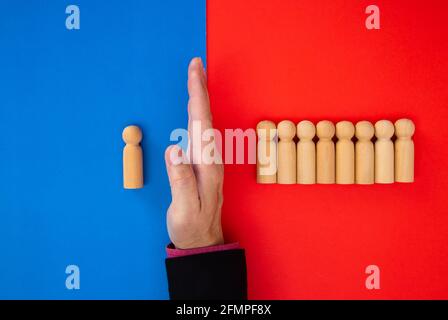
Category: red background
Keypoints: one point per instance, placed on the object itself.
(315, 60)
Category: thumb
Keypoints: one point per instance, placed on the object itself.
(184, 190)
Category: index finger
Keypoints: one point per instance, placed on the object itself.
(199, 113)
(199, 103)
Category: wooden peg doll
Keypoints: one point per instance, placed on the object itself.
(325, 151)
(132, 158)
(266, 152)
(404, 151)
(286, 158)
(306, 153)
(384, 152)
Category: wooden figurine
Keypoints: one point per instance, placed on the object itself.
(306, 153)
(364, 153)
(345, 153)
(384, 152)
(132, 158)
(404, 151)
(286, 153)
(325, 152)
(266, 152)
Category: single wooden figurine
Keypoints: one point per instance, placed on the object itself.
(266, 152)
(364, 153)
(306, 153)
(325, 152)
(345, 153)
(132, 158)
(286, 153)
(404, 151)
(384, 152)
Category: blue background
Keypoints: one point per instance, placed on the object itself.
(65, 97)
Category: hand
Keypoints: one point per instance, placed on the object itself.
(194, 216)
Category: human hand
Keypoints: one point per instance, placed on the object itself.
(194, 216)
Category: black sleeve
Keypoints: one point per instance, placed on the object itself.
(208, 276)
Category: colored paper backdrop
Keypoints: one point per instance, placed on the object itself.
(65, 97)
(316, 60)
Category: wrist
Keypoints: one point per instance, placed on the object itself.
(202, 242)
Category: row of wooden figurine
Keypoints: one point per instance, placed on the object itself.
(363, 162)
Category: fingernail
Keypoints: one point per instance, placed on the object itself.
(171, 154)
(200, 62)
(176, 156)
